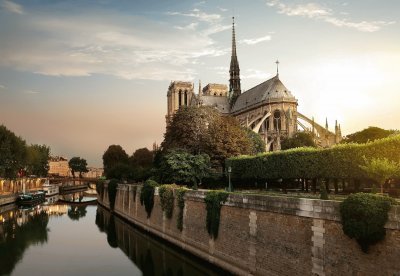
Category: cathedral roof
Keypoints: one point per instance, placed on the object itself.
(270, 90)
(218, 102)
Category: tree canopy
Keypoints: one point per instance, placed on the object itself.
(368, 135)
(113, 156)
(142, 158)
(13, 153)
(77, 164)
(300, 139)
(204, 130)
(38, 160)
(183, 167)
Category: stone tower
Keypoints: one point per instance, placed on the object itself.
(234, 71)
(179, 94)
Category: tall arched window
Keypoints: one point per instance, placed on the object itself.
(180, 97)
(186, 99)
(277, 120)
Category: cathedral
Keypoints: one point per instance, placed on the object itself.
(269, 108)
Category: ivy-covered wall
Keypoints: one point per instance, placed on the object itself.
(342, 161)
(264, 235)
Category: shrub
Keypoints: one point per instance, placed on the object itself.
(166, 193)
(112, 192)
(364, 217)
(214, 201)
(341, 161)
(147, 196)
(100, 188)
(180, 196)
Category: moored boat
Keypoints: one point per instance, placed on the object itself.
(50, 189)
(30, 199)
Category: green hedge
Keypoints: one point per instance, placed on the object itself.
(147, 196)
(341, 161)
(112, 192)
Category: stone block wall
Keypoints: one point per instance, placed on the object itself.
(266, 235)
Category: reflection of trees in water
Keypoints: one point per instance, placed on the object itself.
(149, 255)
(16, 239)
(112, 233)
(77, 212)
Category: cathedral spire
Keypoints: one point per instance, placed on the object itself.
(234, 71)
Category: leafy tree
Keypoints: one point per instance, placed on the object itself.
(113, 156)
(77, 164)
(226, 139)
(257, 143)
(12, 153)
(300, 139)
(121, 172)
(189, 128)
(368, 135)
(381, 170)
(38, 160)
(181, 166)
(142, 158)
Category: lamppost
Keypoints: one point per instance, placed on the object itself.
(229, 179)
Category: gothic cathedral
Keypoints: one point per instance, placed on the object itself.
(268, 108)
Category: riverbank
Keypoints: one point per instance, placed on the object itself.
(266, 235)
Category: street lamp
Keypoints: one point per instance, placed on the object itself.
(229, 179)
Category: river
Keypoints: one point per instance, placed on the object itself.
(71, 239)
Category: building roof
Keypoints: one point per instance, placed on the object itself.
(270, 90)
(219, 102)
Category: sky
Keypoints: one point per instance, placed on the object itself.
(81, 75)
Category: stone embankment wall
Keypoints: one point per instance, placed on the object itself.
(265, 235)
(15, 186)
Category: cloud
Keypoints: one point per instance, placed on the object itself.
(31, 92)
(190, 27)
(87, 43)
(253, 41)
(2, 86)
(12, 7)
(318, 12)
(222, 9)
(200, 15)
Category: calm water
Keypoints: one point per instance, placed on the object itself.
(85, 240)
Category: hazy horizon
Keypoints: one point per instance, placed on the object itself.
(79, 76)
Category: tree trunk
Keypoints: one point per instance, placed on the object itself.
(314, 185)
(335, 183)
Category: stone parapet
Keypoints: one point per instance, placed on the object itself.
(266, 235)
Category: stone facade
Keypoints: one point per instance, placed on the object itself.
(264, 235)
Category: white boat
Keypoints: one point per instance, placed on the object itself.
(49, 189)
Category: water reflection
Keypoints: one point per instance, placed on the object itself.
(151, 256)
(76, 212)
(22, 228)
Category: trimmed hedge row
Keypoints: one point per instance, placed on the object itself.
(341, 161)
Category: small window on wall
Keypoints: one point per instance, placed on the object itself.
(277, 120)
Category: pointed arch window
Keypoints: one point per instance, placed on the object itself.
(180, 97)
(277, 120)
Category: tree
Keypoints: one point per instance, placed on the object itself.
(381, 170)
(257, 143)
(368, 135)
(188, 128)
(12, 153)
(113, 156)
(204, 130)
(300, 139)
(142, 158)
(77, 164)
(226, 139)
(181, 166)
(38, 160)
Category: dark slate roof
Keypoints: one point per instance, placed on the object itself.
(270, 90)
(219, 102)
